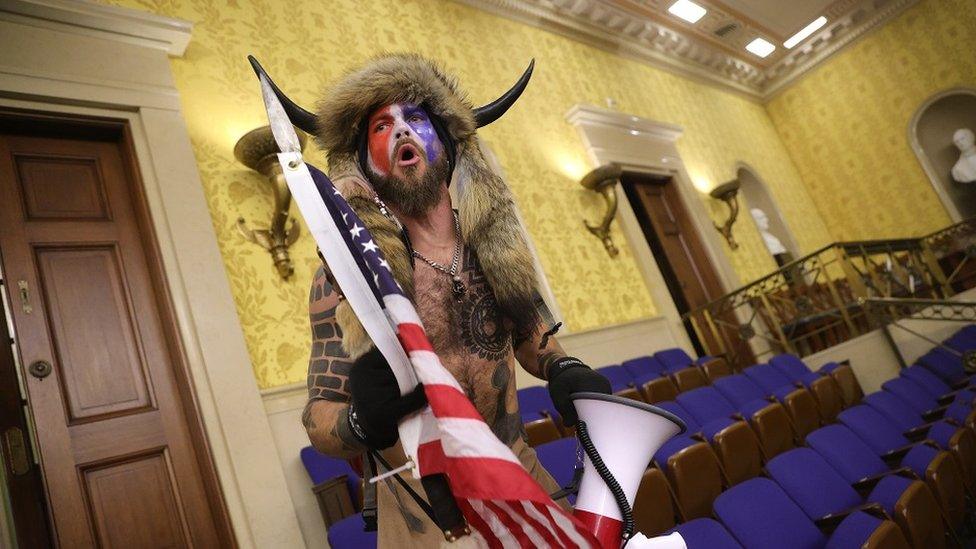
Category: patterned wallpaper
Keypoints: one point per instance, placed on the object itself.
(846, 124)
(312, 43)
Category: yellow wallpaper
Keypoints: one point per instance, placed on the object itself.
(306, 44)
(846, 124)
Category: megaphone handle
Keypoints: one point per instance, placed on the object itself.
(601, 468)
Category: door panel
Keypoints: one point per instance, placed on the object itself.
(102, 369)
(61, 188)
(118, 457)
(153, 520)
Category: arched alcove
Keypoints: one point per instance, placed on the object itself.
(754, 194)
(930, 134)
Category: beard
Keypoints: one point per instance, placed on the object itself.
(413, 194)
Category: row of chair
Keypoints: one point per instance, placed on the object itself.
(669, 373)
(739, 428)
(858, 478)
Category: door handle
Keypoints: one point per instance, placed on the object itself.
(13, 439)
(40, 369)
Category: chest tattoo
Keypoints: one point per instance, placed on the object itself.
(482, 330)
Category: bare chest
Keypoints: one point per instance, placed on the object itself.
(464, 329)
(472, 339)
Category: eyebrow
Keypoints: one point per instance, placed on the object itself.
(413, 109)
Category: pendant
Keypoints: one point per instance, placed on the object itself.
(458, 287)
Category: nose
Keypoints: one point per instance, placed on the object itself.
(401, 130)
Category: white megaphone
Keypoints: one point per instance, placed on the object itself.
(622, 435)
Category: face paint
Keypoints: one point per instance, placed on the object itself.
(401, 138)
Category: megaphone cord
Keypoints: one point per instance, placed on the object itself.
(601, 468)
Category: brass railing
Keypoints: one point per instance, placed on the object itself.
(817, 301)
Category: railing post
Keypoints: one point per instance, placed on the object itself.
(838, 302)
(787, 346)
(932, 263)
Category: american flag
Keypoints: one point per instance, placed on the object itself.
(497, 496)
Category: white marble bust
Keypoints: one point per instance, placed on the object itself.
(773, 244)
(965, 169)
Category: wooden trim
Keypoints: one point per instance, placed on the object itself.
(164, 299)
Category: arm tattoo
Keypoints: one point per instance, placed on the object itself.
(546, 360)
(329, 365)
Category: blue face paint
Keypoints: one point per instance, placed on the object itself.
(394, 125)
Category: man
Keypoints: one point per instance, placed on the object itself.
(396, 131)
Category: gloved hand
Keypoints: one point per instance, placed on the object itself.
(569, 375)
(377, 405)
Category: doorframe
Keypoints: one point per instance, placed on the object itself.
(649, 146)
(62, 75)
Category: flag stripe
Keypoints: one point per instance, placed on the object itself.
(412, 337)
(452, 403)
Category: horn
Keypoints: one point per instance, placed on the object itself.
(298, 116)
(614, 473)
(493, 111)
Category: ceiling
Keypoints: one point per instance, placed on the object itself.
(714, 47)
(783, 18)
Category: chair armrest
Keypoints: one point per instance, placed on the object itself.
(698, 436)
(868, 483)
(828, 523)
(935, 414)
(895, 456)
(961, 384)
(916, 434)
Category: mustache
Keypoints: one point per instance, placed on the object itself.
(407, 141)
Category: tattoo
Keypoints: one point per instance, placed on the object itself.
(546, 360)
(520, 336)
(506, 425)
(329, 365)
(482, 329)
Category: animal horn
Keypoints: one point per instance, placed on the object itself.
(493, 111)
(300, 117)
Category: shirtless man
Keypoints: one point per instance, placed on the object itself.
(354, 404)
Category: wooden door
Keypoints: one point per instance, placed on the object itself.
(676, 245)
(123, 462)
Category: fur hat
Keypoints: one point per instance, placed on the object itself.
(487, 214)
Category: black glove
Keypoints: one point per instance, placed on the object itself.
(567, 376)
(377, 405)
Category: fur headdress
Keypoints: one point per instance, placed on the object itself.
(488, 219)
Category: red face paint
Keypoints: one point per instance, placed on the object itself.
(401, 123)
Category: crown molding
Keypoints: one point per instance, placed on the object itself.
(831, 40)
(608, 27)
(108, 22)
(582, 115)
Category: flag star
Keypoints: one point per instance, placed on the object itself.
(336, 192)
(355, 230)
(344, 216)
(384, 264)
(370, 246)
(376, 279)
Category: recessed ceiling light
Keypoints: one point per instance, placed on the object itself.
(687, 10)
(760, 47)
(805, 32)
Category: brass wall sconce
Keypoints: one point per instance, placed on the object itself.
(728, 193)
(602, 180)
(257, 150)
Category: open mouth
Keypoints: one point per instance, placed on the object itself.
(407, 155)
